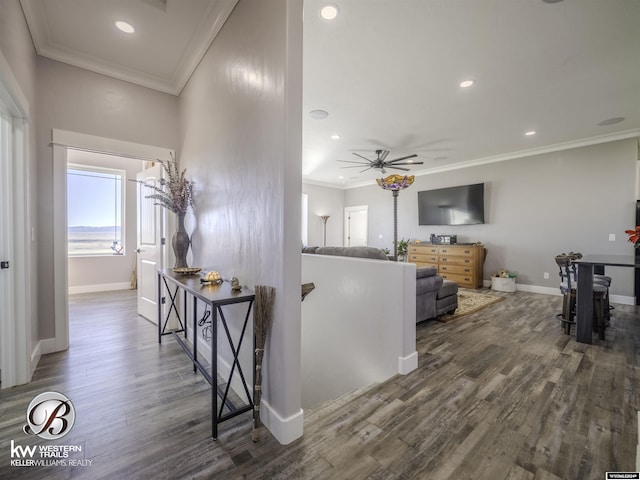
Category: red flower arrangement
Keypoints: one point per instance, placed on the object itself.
(634, 236)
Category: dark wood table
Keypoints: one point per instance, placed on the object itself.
(214, 297)
(584, 301)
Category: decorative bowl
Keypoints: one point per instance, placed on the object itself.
(186, 270)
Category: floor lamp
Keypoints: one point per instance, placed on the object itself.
(324, 229)
(395, 183)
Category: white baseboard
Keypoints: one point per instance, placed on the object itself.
(48, 345)
(638, 446)
(101, 287)
(407, 364)
(35, 359)
(285, 430)
(621, 299)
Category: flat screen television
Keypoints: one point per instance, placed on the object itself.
(463, 205)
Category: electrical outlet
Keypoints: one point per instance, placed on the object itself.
(546, 275)
(612, 237)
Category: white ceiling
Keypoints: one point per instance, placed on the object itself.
(388, 71)
(171, 36)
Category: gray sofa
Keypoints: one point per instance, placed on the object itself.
(434, 295)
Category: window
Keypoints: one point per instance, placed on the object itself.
(95, 210)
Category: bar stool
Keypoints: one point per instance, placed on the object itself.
(568, 289)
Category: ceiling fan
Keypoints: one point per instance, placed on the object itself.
(381, 162)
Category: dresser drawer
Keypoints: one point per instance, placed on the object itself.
(462, 280)
(423, 249)
(457, 269)
(457, 251)
(418, 258)
(455, 260)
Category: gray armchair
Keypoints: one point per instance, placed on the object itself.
(434, 295)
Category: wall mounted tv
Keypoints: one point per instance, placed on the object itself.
(463, 205)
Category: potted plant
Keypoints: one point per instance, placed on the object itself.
(403, 248)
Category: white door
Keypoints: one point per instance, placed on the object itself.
(150, 248)
(355, 226)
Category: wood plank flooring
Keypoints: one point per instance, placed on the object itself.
(499, 394)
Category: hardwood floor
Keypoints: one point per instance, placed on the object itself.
(499, 394)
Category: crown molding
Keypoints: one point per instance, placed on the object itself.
(558, 147)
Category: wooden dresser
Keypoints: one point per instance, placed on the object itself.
(459, 263)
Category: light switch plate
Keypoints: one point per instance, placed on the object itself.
(612, 237)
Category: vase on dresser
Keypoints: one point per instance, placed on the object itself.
(180, 243)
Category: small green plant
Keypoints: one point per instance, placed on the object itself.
(403, 247)
(386, 251)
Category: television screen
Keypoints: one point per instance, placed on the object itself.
(463, 205)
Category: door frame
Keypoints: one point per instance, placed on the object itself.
(16, 360)
(346, 227)
(61, 141)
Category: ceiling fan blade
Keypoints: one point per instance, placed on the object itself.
(369, 168)
(365, 158)
(383, 155)
(398, 168)
(355, 166)
(350, 161)
(406, 163)
(401, 158)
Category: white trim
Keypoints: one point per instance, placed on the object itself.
(100, 287)
(62, 140)
(121, 148)
(558, 147)
(621, 299)
(407, 364)
(285, 430)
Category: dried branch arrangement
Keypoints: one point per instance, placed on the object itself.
(177, 197)
(262, 317)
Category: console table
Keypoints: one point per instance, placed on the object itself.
(460, 263)
(584, 300)
(214, 297)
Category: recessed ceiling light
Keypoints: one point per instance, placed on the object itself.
(340, 177)
(318, 114)
(329, 12)
(611, 121)
(125, 27)
(467, 83)
(530, 133)
(335, 137)
(551, 1)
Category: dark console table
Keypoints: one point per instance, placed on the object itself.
(584, 301)
(214, 297)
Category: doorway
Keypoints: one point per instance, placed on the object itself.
(63, 142)
(356, 226)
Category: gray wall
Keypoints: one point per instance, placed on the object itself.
(77, 100)
(536, 207)
(17, 48)
(241, 144)
(324, 201)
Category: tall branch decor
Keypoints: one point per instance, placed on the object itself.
(262, 317)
